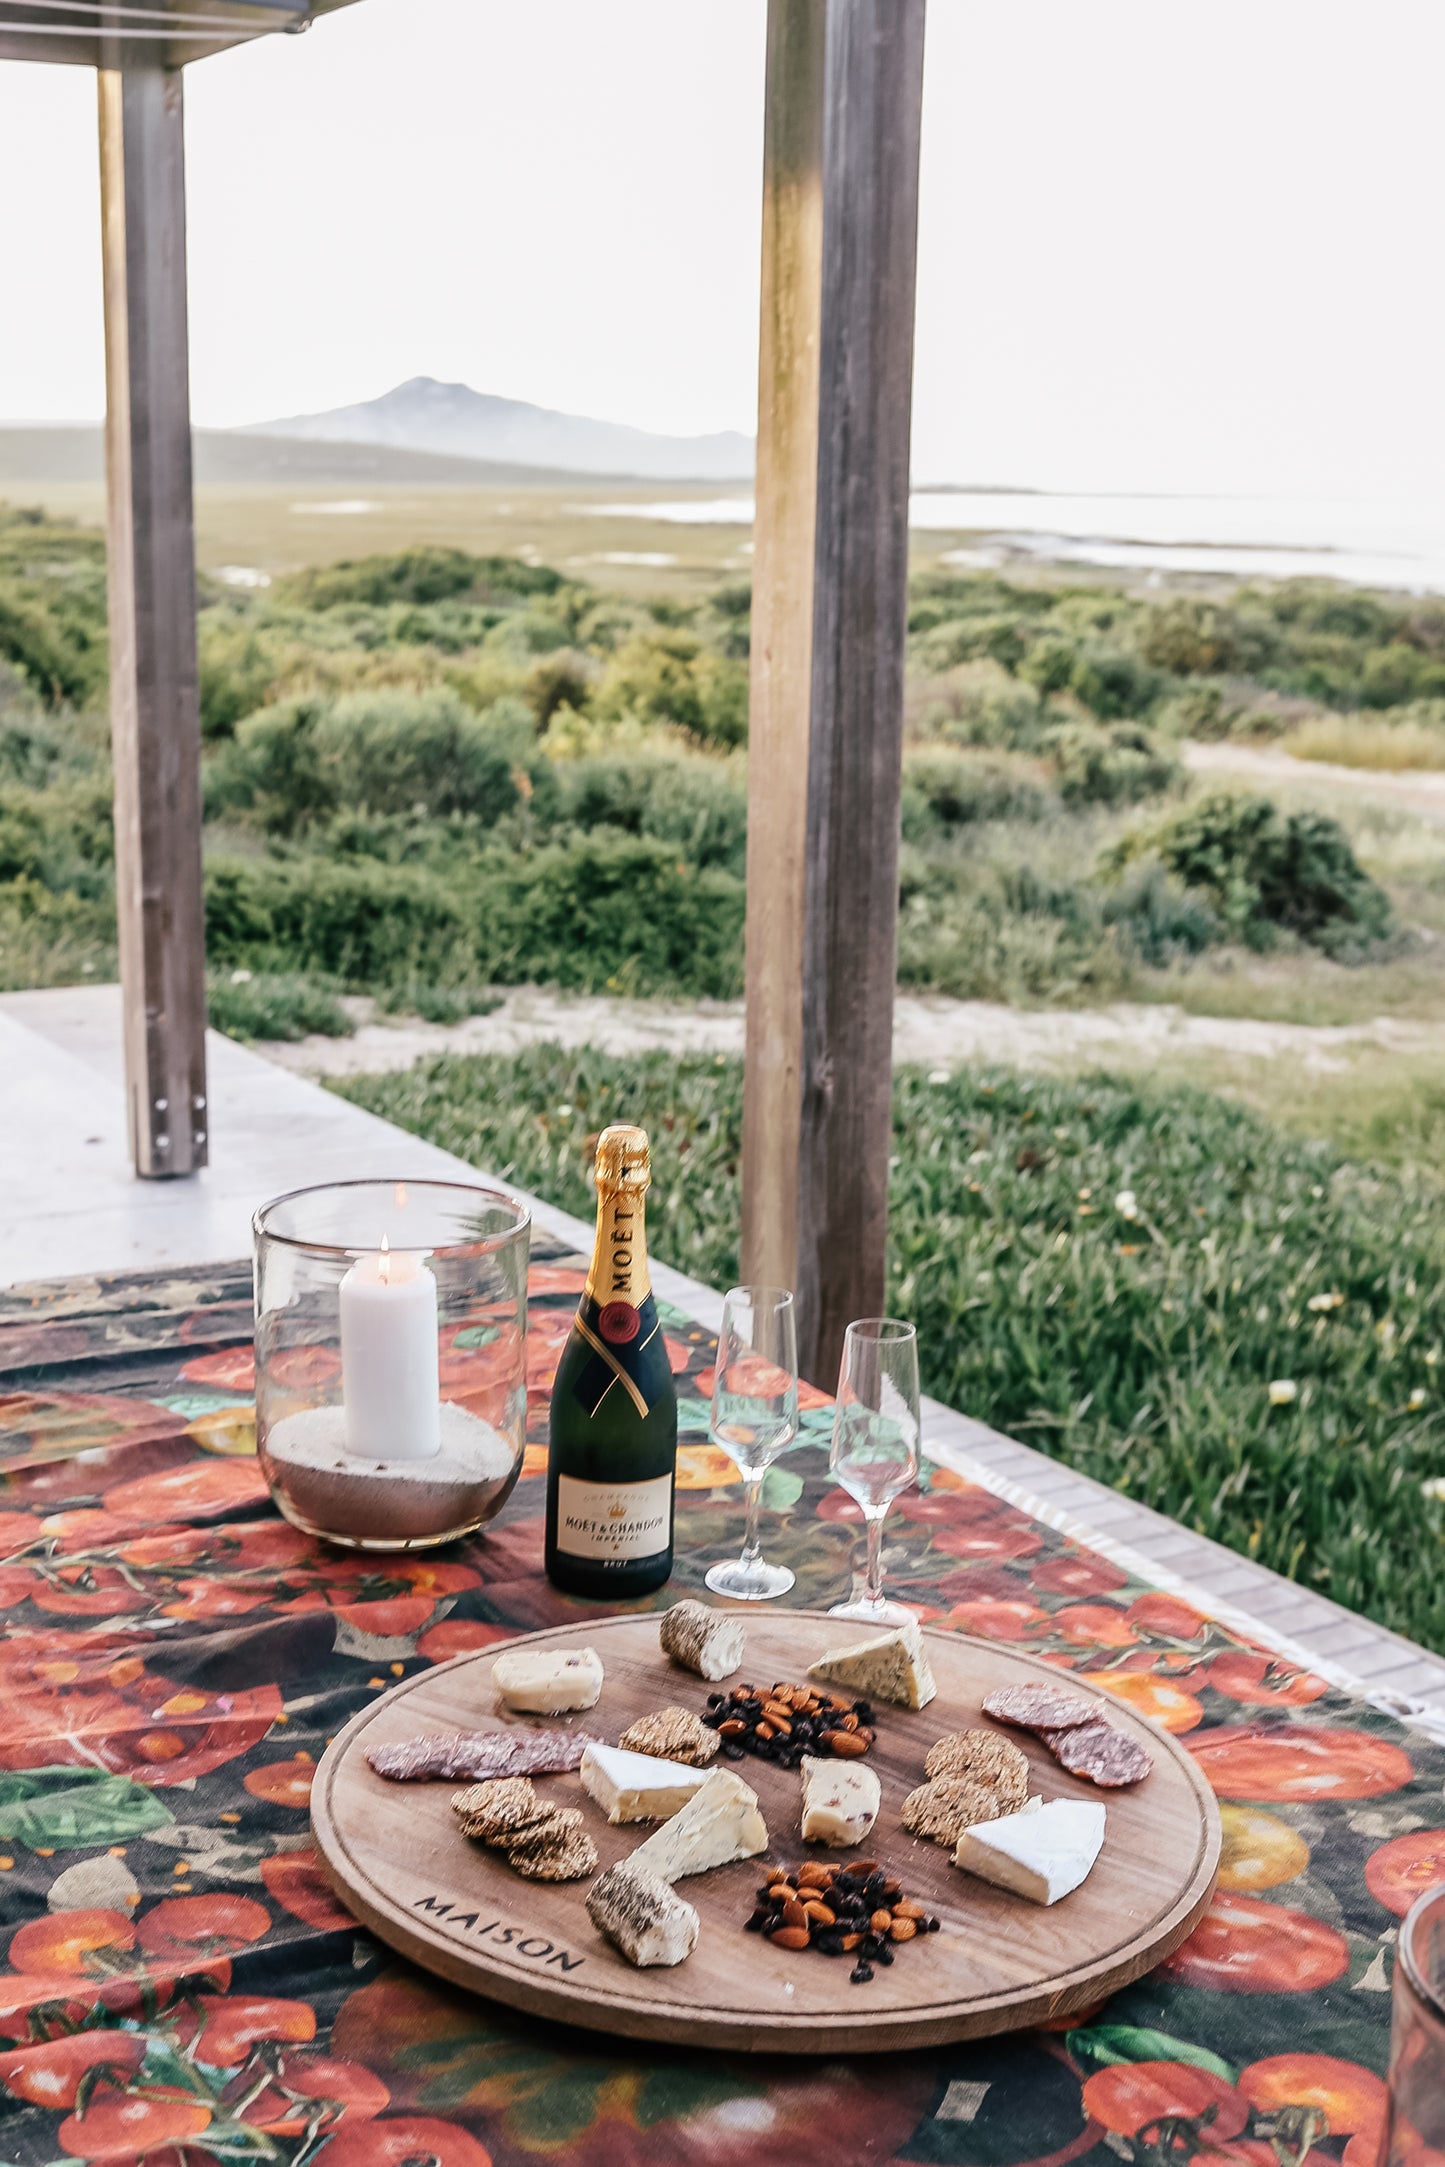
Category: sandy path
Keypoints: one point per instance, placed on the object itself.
(1407, 790)
(927, 1028)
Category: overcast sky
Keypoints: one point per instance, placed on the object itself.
(1166, 244)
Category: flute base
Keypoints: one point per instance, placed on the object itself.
(881, 1613)
(745, 1583)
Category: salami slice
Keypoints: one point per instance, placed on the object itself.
(469, 1756)
(1040, 1707)
(1107, 1756)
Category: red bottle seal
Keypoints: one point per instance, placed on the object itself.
(619, 1322)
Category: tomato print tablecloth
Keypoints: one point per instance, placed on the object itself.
(179, 1986)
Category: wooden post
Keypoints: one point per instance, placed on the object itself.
(155, 722)
(840, 219)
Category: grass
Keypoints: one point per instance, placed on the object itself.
(1366, 742)
(1141, 1349)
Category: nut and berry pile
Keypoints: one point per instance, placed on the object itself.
(784, 1722)
(858, 1910)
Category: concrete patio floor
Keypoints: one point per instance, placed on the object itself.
(70, 1206)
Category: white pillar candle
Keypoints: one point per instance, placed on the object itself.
(389, 1376)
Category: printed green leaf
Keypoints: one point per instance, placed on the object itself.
(781, 1489)
(476, 1335)
(1135, 2043)
(66, 1809)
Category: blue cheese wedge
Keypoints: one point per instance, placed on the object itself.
(892, 1666)
(840, 1802)
(719, 1823)
(637, 1786)
(1042, 1853)
(548, 1681)
(642, 1915)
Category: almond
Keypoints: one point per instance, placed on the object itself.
(764, 1730)
(790, 1937)
(848, 1723)
(905, 1908)
(880, 1922)
(793, 1913)
(814, 1874)
(733, 1728)
(902, 1930)
(892, 1889)
(846, 1744)
(851, 1941)
(864, 1867)
(820, 1914)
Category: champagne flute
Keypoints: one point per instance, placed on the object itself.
(875, 1443)
(754, 1418)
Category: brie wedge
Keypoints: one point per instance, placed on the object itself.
(637, 1786)
(642, 1915)
(840, 1801)
(719, 1823)
(1042, 1855)
(548, 1681)
(892, 1666)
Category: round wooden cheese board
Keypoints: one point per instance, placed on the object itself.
(397, 1859)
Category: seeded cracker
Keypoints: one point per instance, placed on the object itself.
(982, 1755)
(483, 1807)
(943, 1810)
(673, 1734)
(546, 1835)
(572, 1860)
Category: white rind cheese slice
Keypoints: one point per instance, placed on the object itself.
(718, 1824)
(893, 1666)
(637, 1786)
(548, 1681)
(1041, 1854)
(642, 1915)
(840, 1802)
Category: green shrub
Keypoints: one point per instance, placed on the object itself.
(979, 703)
(944, 789)
(1112, 682)
(1157, 920)
(670, 677)
(57, 659)
(1114, 766)
(426, 574)
(274, 1004)
(697, 805)
(1193, 638)
(1265, 872)
(966, 639)
(54, 940)
(362, 925)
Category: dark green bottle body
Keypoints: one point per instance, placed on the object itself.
(612, 1443)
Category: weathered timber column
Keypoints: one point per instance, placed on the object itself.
(155, 724)
(840, 218)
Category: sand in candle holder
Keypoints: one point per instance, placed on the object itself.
(387, 1504)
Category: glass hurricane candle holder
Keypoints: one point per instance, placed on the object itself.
(391, 1386)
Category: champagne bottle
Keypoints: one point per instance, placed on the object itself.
(613, 1441)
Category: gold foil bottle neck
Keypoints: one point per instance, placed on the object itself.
(622, 1158)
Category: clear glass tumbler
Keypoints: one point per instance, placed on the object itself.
(391, 1387)
(1415, 2124)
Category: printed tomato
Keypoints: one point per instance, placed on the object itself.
(122, 2125)
(196, 1490)
(314, 2091)
(993, 1620)
(227, 2026)
(555, 1279)
(1296, 1763)
(1160, 1699)
(1081, 1575)
(49, 2075)
(1131, 2098)
(79, 1589)
(301, 1369)
(1095, 1625)
(459, 1636)
(295, 1880)
(229, 1369)
(1352, 2097)
(71, 1943)
(1262, 1681)
(988, 1540)
(1402, 1870)
(1245, 1946)
(403, 2141)
(17, 1529)
(1259, 1851)
(704, 1467)
(190, 1926)
(1167, 1615)
(283, 1783)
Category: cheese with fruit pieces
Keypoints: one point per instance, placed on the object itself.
(1042, 1853)
(637, 1786)
(840, 1801)
(719, 1823)
(892, 1666)
(548, 1681)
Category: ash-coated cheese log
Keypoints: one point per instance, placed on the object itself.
(548, 1681)
(642, 1915)
(702, 1640)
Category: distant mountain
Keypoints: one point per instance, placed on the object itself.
(46, 452)
(424, 415)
